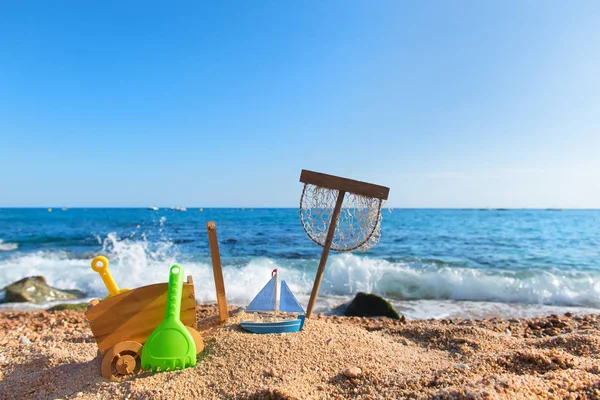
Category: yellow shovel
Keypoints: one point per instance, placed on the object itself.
(100, 265)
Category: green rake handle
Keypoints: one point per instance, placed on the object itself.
(174, 292)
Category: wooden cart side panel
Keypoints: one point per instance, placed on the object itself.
(133, 315)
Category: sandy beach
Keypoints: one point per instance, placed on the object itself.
(52, 355)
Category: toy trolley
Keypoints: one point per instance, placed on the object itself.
(122, 322)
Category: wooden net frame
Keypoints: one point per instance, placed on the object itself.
(321, 206)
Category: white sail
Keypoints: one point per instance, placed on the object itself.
(288, 302)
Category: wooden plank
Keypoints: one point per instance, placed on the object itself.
(217, 271)
(326, 247)
(133, 315)
(343, 184)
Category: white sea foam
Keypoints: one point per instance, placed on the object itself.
(437, 309)
(5, 246)
(421, 292)
(349, 274)
(135, 263)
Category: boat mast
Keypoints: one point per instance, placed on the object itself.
(276, 294)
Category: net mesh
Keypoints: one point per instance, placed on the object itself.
(358, 225)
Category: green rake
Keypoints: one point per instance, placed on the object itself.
(170, 346)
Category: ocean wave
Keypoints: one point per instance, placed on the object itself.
(7, 246)
(412, 281)
(138, 262)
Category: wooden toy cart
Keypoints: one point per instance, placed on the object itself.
(122, 323)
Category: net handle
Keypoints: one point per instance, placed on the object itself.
(328, 241)
(360, 244)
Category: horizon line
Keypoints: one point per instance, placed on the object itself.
(295, 207)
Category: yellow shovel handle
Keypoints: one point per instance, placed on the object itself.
(100, 265)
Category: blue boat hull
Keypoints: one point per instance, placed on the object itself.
(288, 326)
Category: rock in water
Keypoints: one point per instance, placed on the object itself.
(339, 310)
(34, 289)
(370, 305)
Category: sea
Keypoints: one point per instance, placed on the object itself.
(429, 263)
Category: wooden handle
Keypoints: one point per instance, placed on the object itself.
(328, 241)
(217, 271)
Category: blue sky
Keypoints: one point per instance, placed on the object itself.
(450, 104)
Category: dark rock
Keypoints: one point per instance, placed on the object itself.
(34, 289)
(338, 310)
(370, 305)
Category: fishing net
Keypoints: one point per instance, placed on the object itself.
(358, 225)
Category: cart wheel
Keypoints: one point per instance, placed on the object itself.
(121, 360)
(197, 339)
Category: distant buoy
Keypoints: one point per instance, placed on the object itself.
(202, 209)
(49, 210)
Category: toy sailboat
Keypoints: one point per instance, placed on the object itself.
(277, 321)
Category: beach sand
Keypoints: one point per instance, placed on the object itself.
(52, 355)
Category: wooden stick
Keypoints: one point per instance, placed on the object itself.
(276, 294)
(328, 240)
(217, 271)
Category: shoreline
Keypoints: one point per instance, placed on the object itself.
(54, 355)
(411, 309)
